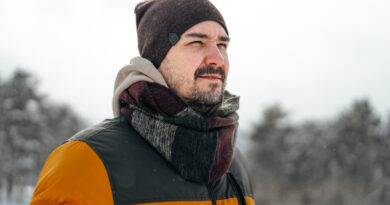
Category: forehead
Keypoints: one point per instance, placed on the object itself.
(210, 28)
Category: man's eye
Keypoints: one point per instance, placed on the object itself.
(196, 42)
(224, 45)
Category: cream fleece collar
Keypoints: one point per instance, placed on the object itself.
(139, 69)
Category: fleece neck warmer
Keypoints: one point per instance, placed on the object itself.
(199, 147)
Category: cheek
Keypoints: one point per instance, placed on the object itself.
(187, 59)
(193, 61)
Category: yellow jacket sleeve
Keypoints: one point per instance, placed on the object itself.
(73, 174)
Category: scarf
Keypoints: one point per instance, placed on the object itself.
(199, 147)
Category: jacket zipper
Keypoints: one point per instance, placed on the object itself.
(237, 189)
(211, 194)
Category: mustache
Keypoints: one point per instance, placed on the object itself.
(210, 70)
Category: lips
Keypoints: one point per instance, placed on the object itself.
(211, 77)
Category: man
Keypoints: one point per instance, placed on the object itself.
(172, 139)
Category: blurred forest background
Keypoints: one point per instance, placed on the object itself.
(343, 160)
(31, 126)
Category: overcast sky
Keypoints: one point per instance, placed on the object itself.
(314, 57)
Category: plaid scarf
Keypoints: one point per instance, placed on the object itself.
(199, 147)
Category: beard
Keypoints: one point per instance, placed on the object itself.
(211, 97)
(202, 101)
(208, 98)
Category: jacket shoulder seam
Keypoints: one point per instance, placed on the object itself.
(107, 167)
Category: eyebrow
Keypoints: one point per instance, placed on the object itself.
(205, 36)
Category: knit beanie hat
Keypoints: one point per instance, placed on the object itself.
(160, 24)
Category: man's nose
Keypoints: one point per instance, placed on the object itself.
(214, 57)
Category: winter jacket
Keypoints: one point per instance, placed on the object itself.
(111, 164)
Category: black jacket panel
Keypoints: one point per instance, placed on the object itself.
(139, 174)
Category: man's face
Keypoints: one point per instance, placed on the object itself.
(196, 68)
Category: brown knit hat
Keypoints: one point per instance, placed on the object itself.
(160, 23)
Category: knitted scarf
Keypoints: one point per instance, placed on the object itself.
(199, 147)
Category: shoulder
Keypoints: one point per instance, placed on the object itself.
(73, 173)
(107, 127)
